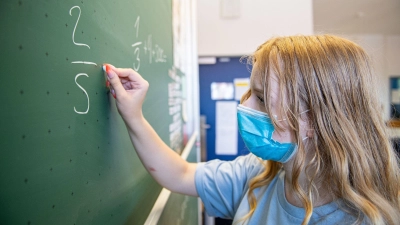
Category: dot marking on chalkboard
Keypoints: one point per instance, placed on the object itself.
(84, 123)
(87, 182)
(88, 211)
(96, 93)
(67, 92)
(49, 131)
(21, 92)
(69, 127)
(100, 200)
(66, 25)
(23, 136)
(66, 58)
(70, 160)
(82, 32)
(99, 174)
(112, 215)
(97, 120)
(46, 15)
(29, 223)
(98, 147)
(20, 47)
(54, 206)
(72, 193)
(85, 153)
(48, 92)
(51, 169)
(19, 3)
(26, 180)
(47, 54)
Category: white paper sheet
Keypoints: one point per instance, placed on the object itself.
(241, 86)
(221, 90)
(226, 128)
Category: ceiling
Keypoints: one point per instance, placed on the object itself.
(357, 16)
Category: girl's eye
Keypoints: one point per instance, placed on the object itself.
(260, 99)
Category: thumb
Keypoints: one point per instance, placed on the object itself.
(114, 80)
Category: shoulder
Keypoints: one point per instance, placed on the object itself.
(222, 184)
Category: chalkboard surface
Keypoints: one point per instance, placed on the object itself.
(65, 155)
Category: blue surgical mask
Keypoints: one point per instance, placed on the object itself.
(256, 129)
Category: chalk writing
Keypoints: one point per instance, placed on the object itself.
(175, 102)
(76, 77)
(76, 24)
(155, 53)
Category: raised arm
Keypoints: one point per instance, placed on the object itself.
(164, 164)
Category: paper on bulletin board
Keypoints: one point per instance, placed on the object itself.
(241, 86)
(221, 90)
(226, 128)
(395, 96)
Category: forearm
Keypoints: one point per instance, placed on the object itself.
(164, 164)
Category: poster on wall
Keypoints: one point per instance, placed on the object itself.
(241, 86)
(226, 142)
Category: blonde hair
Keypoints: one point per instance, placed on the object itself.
(332, 77)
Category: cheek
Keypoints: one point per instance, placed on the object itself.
(283, 137)
(252, 102)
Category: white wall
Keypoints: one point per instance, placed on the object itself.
(259, 20)
(384, 51)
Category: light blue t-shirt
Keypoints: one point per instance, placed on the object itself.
(223, 188)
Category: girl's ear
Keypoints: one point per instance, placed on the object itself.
(245, 96)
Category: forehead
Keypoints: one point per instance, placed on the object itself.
(257, 80)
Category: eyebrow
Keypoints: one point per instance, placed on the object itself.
(257, 90)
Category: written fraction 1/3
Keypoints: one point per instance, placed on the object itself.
(155, 54)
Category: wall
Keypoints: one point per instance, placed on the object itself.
(259, 20)
(384, 51)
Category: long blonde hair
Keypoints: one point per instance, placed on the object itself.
(332, 77)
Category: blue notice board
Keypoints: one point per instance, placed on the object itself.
(225, 70)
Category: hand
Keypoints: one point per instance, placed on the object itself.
(129, 90)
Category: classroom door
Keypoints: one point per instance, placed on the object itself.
(220, 71)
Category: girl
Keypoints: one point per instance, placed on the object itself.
(320, 152)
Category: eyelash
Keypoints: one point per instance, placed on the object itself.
(260, 99)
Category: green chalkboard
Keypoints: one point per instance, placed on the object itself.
(65, 155)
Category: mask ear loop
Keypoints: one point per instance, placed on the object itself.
(276, 116)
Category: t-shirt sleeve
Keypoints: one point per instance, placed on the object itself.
(221, 185)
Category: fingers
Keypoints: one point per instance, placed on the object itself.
(117, 87)
(127, 73)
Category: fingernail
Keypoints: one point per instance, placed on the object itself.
(113, 93)
(110, 73)
(108, 84)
